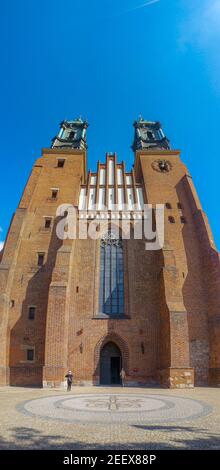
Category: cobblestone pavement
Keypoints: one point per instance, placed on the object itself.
(109, 418)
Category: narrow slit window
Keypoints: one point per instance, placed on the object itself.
(61, 163)
(47, 223)
(72, 135)
(171, 220)
(30, 354)
(40, 260)
(31, 313)
(54, 193)
(150, 135)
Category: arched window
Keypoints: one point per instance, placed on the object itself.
(111, 289)
(150, 135)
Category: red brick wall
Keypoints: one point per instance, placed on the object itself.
(172, 297)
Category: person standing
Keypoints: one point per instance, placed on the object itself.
(122, 375)
(69, 377)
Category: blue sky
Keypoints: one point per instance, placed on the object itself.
(109, 61)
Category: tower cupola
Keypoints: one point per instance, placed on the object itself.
(72, 134)
(149, 135)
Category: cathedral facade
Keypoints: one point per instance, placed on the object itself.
(100, 304)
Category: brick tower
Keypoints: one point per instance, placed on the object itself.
(99, 305)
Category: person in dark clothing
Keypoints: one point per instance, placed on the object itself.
(69, 378)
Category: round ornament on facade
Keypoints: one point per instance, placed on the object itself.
(163, 166)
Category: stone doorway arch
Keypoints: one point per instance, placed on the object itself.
(110, 364)
(122, 347)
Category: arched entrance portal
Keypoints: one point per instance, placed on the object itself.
(110, 364)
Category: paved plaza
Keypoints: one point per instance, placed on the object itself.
(109, 418)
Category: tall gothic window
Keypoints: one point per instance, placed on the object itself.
(111, 291)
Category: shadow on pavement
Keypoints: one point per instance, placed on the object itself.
(29, 438)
